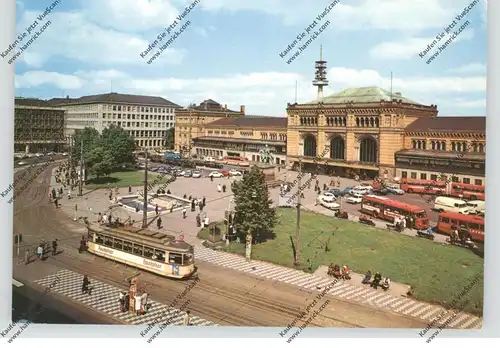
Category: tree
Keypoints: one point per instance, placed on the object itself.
(120, 144)
(253, 211)
(91, 139)
(170, 139)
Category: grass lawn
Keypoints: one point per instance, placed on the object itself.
(125, 179)
(436, 272)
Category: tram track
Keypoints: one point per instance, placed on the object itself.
(223, 296)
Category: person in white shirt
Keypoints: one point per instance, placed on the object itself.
(207, 221)
(187, 319)
(138, 302)
(219, 188)
(104, 219)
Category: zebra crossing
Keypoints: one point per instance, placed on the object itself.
(366, 295)
(104, 298)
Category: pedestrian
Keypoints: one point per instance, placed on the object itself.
(85, 285)
(104, 219)
(129, 189)
(110, 219)
(69, 194)
(171, 208)
(193, 205)
(187, 318)
(158, 223)
(198, 220)
(206, 221)
(56, 203)
(27, 256)
(224, 188)
(121, 300)
(168, 192)
(99, 218)
(137, 302)
(204, 200)
(39, 252)
(144, 302)
(54, 247)
(156, 209)
(184, 213)
(83, 245)
(211, 179)
(219, 188)
(50, 197)
(54, 193)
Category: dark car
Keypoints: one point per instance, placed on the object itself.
(338, 192)
(381, 192)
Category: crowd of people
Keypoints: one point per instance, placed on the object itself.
(377, 280)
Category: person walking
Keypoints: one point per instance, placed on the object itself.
(56, 203)
(137, 303)
(184, 212)
(204, 200)
(27, 256)
(39, 252)
(187, 319)
(158, 223)
(224, 188)
(54, 247)
(99, 218)
(198, 220)
(85, 285)
(219, 188)
(156, 209)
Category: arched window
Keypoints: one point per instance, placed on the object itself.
(458, 147)
(481, 148)
(414, 144)
(310, 146)
(357, 121)
(465, 148)
(453, 146)
(337, 148)
(424, 144)
(368, 150)
(433, 145)
(377, 124)
(362, 122)
(443, 146)
(372, 122)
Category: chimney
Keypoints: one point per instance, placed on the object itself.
(225, 106)
(67, 96)
(242, 109)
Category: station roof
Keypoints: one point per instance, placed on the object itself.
(449, 124)
(251, 121)
(211, 105)
(362, 95)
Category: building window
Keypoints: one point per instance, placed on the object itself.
(478, 182)
(454, 178)
(423, 176)
(466, 180)
(413, 175)
(434, 177)
(404, 174)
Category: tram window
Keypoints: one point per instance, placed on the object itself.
(474, 226)
(127, 246)
(160, 255)
(188, 258)
(175, 258)
(454, 222)
(99, 239)
(148, 252)
(481, 228)
(118, 244)
(108, 241)
(445, 220)
(138, 249)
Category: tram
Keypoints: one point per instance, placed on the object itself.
(148, 250)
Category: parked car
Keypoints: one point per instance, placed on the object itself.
(355, 198)
(196, 174)
(188, 174)
(366, 186)
(233, 172)
(330, 205)
(216, 174)
(338, 192)
(358, 191)
(395, 190)
(65, 154)
(381, 192)
(22, 163)
(326, 197)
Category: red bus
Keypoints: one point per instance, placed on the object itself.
(236, 161)
(430, 187)
(388, 209)
(473, 223)
(467, 191)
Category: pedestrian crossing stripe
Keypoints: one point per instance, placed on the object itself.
(104, 298)
(362, 294)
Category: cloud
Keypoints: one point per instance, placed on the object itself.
(411, 47)
(72, 36)
(471, 68)
(205, 32)
(262, 92)
(362, 15)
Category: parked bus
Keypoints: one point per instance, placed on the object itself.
(474, 225)
(170, 155)
(430, 187)
(151, 251)
(388, 209)
(236, 161)
(450, 204)
(467, 191)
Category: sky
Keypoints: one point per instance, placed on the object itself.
(230, 50)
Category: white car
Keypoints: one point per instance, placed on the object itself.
(358, 191)
(326, 197)
(39, 155)
(215, 175)
(233, 172)
(355, 199)
(65, 154)
(196, 174)
(395, 190)
(365, 186)
(330, 205)
(22, 163)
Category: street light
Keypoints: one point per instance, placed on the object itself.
(248, 250)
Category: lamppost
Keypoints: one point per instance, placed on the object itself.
(80, 184)
(145, 192)
(248, 250)
(228, 220)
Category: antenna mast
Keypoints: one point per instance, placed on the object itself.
(391, 85)
(295, 91)
(320, 80)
